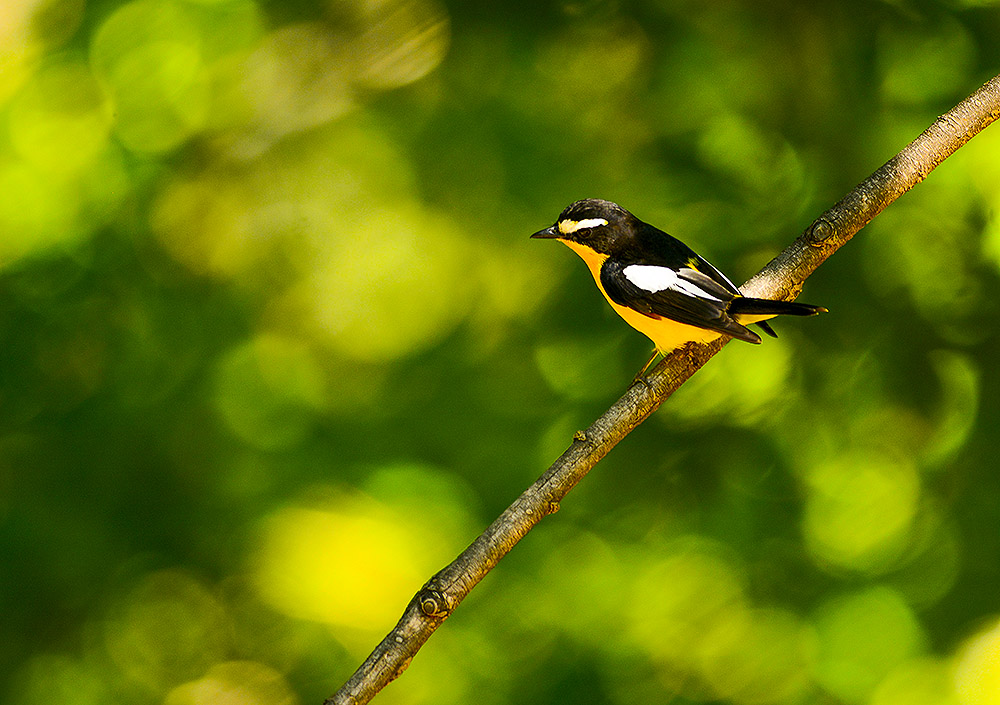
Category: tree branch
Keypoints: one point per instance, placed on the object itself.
(782, 278)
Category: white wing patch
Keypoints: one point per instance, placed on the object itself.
(652, 278)
(571, 226)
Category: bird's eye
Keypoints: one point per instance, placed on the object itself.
(571, 226)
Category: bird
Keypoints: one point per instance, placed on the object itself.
(659, 285)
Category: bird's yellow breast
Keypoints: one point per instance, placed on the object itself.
(665, 333)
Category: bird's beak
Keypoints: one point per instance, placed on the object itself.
(549, 233)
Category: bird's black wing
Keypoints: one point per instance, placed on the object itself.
(694, 297)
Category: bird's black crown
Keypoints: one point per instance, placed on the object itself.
(594, 209)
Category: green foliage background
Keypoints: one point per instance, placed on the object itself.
(274, 347)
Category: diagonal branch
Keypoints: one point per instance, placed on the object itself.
(782, 278)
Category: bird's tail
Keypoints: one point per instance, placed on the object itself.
(764, 307)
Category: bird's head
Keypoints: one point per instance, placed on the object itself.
(602, 226)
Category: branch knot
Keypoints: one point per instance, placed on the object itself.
(820, 231)
(434, 603)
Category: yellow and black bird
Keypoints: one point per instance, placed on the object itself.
(659, 285)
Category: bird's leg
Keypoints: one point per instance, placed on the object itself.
(641, 374)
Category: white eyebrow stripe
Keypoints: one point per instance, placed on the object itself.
(652, 279)
(571, 226)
